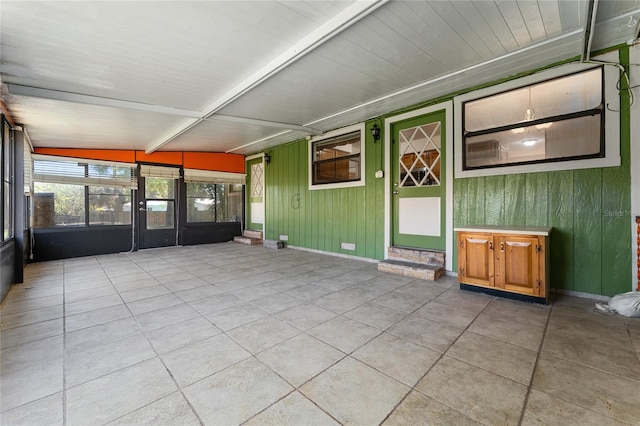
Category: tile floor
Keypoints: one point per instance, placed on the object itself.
(226, 334)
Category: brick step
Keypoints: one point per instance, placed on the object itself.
(248, 241)
(250, 233)
(415, 255)
(411, 269)
(274, 244)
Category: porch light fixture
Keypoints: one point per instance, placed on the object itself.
(267, 158)
(375, 133)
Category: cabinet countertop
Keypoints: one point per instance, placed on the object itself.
(515, 230)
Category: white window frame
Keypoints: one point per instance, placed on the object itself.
(332, 134)
(612, 121)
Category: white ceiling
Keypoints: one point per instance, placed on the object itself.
(243, 76)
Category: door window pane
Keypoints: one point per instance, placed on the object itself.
(420, 154)
(159, 188)
(160, 214)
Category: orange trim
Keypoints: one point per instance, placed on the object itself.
(216, 161)
(160, 157)
(119, 155)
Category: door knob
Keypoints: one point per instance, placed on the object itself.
(396, 192)
(142, 209)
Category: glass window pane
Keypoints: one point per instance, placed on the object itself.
(420, 149)
(6, 143)
(566, 95)
(109, 206)
(106, 171)
(57, 204)
(201, 202)
(7, 231)
(160, 214)
(337, 159)
(578, 137)
(233, 203)
(159, 188)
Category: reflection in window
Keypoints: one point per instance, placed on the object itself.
(337, 159)
(109, 206)
(553, 120)
(56, 204)
(214, 202)
(420, 149)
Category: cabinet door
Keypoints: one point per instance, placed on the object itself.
(475, 259)
(518, 264)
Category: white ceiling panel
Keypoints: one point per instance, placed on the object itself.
(357, 60)
(219, 136)
(56, 124)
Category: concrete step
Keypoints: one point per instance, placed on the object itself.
(274, 244)
(415, 255)
(249, 233)
(411, 269)
(247, 241)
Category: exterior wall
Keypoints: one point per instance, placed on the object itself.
(322, 219)
(591, 244)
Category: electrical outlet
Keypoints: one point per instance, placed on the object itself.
(379, 174)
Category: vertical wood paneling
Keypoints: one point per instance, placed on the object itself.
(325, 218)
(616, 262)
(494, 204)
(460, 211)
(561, 219)
(536, 199)
(587, 200)
(515, 207)
(476, 198)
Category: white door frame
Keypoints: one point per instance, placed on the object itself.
(634, 58)
(264, 191)
(388, 202)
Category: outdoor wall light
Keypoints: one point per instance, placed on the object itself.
(375, 132)
(267, 158)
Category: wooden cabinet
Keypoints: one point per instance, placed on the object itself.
(514, 260)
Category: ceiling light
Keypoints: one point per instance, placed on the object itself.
(529, 142)
(543, 126)
(518, 130)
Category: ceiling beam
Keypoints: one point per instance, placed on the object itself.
(422, 84)
(264, 123)
(334, 26)
(57, 95)
(194, 116)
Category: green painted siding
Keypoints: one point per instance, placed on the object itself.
(322, 219)
(588, 209)
(591, 239)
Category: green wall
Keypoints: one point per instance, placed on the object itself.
(591, 244)
(589, 210)
(322, 219)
